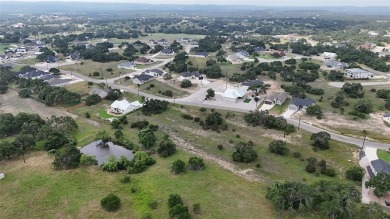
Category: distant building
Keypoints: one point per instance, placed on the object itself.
(142, 60)
(102, 93)
(234, 59)
(276, 98)
(336, 64)
(51, 59)
(73, 56)
(32, 74)
(250, 83)
(386, 117)
(357, 73)
(329, 55)
(300, 104)
(242, 54)
(21, 50)
(190, 75)
(141, 79)
(154, 72)
(168, 52)
(126, 65)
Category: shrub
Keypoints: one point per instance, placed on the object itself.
(354, 173)
(174, 199)
(196, 163)
(151, 85)
(167, 93)
(258, 165)
(278, 147)
(186, 116)
(220, 147)
(196, 208)
(86, 160)
(238, 136)
(179, 211)
(153, 204)
(178, 167)
(125, 179)
(244, 153)
(95, 73)
(297, 154)
(87, 115)
(310, 168)
(166, 148)
(185, 83)
(196, 119)
(111, 202)
(202, 109)
(92, 99)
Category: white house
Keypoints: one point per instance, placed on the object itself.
(357, 73)
(386, 117)
(154, 72)
(231, 94)
(21, 50)
(329, 55)
(123, 106)
(242, 54)
(300, 104)
(234, 59)
(126, 65)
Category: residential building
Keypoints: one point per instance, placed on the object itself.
(357, 73)
(300, 104)
(247, 84)
(51, 59)
(386, 117)
(21, 50)
(190, 75)
(32, 74)
(123, 107)
(203, 54)
(329, 55)
(376, 165)
(142, 60)
(234, 95)
(141, 79)
(336, 64)
(234, 59)
(154, 72)
(276, 98)
(73, 56)
(168, 52)
(242, 54)
(102, 93)
(126, 65)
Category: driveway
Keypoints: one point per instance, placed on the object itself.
(288, 113)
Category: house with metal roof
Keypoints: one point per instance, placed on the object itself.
(123, 107)
(357, 73)
(190, 75)
(336, 64)
(242, 54)
(126, 65)
(329, 55)
(233, 95)
(154, 72)
(141, 79)
(386, 117)
(167, 51)
(300, 104)
(376, 165)
(276, 98)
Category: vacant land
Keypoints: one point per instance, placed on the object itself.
(28, 61)
(156, 87)
(88, 67)
(81, 88)
(3, 47)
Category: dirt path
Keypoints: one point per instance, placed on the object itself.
(227, 165)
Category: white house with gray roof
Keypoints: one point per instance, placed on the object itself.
(275, 98)
(123, 107)
(357, 73)
(126, 65)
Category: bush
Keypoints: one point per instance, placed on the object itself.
(178, 167)
(196, 208)
(220, 147)
(95, 73)
(196, 163)
(310, 168)
(92, 99)
(174, 199)
(87, 115)
(297, 154)
(185, 83)
(278, 147)
(202, 109)
(167, 93)
(153, 204)
(196, 119)
(355, 174)
(244, 153)
(329, 172)
(186, 116)
(166, 148)
(125, 179)
(111, 202)
(86, 160)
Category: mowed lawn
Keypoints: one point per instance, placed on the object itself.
(383, 155)
(35, 190)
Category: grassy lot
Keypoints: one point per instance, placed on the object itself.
(81, 88)
(28, 61)
(383, 155)
(280, 108)
(157, 89)
(155, 36)
(3, 46)
(141, 66)
(89, 67)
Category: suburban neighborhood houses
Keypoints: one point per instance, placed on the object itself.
(133, 110)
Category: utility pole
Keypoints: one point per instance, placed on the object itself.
(119, 77)
(365, 136)
(226, 78)
(138, 89)
(299, 123)
(174, 103)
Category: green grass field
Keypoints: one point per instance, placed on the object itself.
(383, 155)
(3, 46)
(81, 88)
(28, 61)
(280, 108)
(88, 67)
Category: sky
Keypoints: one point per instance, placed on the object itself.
(245, 2)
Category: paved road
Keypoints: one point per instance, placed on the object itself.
(187, 101)
(340, 84)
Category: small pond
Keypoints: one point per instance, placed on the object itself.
(102, 153)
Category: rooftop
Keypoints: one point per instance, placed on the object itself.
(302, 102)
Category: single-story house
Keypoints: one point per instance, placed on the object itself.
(126, 65)
(251, 83)
(154, 72)
(73, 56)
(275, 98)
(234, 59)
(357, 73)
(190, 75)
(21, 50)
(231, 94)
(141, 79)
(329, 55)
(259, 49)
(194, 43)
(242, 54)
(167, 52)
(51, 59)
(123, 106)
(204, 54)
(33, 74)
(336, 64)
(386, 117)
(142, 60)
(376, 165)
(300, 104)
(49, 77)
(102, 93)
(162, 42)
